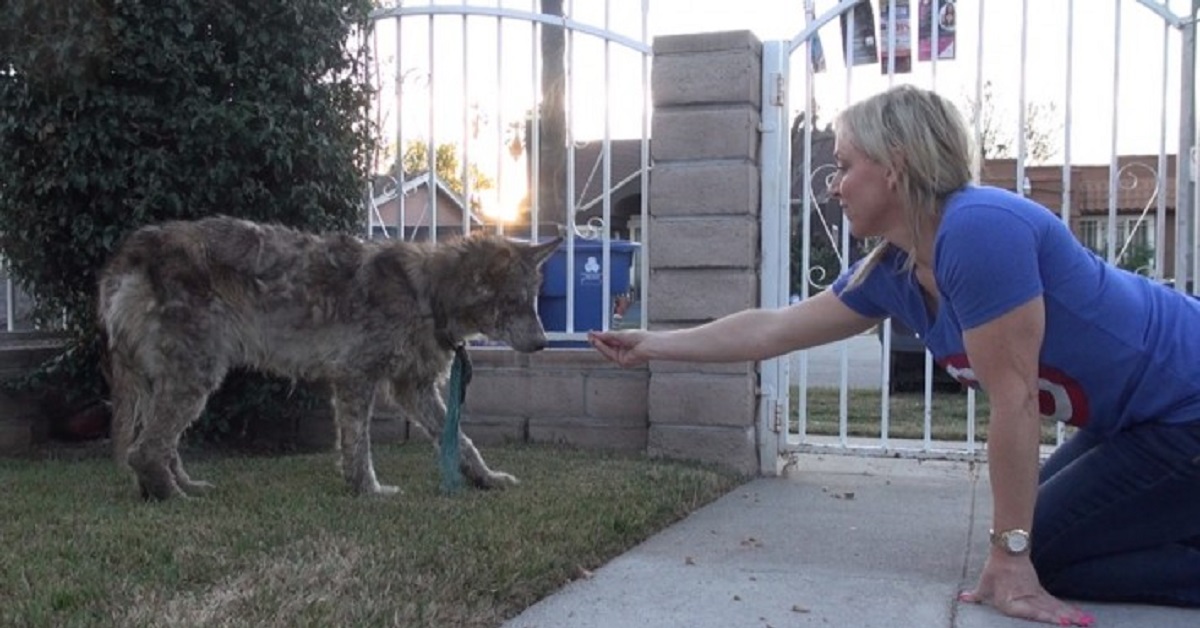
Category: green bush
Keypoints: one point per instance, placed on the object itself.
(115, 114)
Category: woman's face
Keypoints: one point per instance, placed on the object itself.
(867, 191)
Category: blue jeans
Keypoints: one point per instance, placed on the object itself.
(1118, 519)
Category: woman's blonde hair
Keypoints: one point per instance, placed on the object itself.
(920, 136)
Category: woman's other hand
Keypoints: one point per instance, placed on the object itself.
(1011, 586)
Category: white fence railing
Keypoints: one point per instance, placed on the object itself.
(18, 306)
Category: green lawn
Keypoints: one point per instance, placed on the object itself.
(282, 543)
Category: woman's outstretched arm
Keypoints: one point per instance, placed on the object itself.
(749, 335)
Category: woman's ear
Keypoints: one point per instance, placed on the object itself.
(893, 174)
(892, 177)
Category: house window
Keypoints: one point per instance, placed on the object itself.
(1091, 233)
(1138, 250)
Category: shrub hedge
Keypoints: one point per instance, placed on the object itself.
(119, 113)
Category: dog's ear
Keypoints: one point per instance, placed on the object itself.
(539, 253)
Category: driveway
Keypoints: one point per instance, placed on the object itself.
(864, 364)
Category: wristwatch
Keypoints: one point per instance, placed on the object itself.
(1014, 542)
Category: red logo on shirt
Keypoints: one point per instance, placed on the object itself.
(1060, 397)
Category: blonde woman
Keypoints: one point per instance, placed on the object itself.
(1007, 299)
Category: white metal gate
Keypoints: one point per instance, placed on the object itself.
(540, 110)
(1116, 196)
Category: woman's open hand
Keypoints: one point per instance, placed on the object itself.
(1011, 586)
(620, 347)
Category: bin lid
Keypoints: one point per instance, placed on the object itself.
(584, 244)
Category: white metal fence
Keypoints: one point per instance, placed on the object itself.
(1082, 106)
(538, 113)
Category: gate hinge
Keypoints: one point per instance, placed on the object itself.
(779, 98)
(777, 424)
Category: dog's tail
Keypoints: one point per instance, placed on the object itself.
(129, 391)
(129, 398)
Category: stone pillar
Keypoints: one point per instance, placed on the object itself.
(703, 243)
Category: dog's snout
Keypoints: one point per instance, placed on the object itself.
(529, 341)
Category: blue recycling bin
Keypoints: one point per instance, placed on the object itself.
(588, 281)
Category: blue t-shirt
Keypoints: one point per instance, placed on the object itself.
(1119, 349)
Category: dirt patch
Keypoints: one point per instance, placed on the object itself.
(309, 579)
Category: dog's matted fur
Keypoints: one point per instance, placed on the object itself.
(184, 302)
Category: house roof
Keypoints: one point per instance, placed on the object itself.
(1138, 183)
(386, 191)
(385, 188)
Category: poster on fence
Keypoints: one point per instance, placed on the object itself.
(861, 48)
(898, 23)
(937, 21)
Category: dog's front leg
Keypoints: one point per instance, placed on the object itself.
(352, 404)
(432, 415)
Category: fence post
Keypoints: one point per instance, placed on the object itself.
(704, 222)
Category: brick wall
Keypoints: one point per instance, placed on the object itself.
(23, 421)
(570, 396)
(703, 251)
(704, 235)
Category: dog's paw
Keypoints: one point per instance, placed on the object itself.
(160, 491)
(156, 483)
(384, 490)
(496, 480)
(196, 487)
(376, 489)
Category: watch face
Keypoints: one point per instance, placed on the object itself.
(1016, 542)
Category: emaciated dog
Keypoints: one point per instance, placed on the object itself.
(182, 303)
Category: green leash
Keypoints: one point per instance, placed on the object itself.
(456, 394)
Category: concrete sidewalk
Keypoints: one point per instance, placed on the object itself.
(839, 542)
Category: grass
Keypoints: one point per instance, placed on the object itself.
(282, 543)
(906, 415)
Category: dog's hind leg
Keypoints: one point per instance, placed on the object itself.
(431, 413)
(176, 402)
(352, 404)
(131, 397)
(130, 394)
